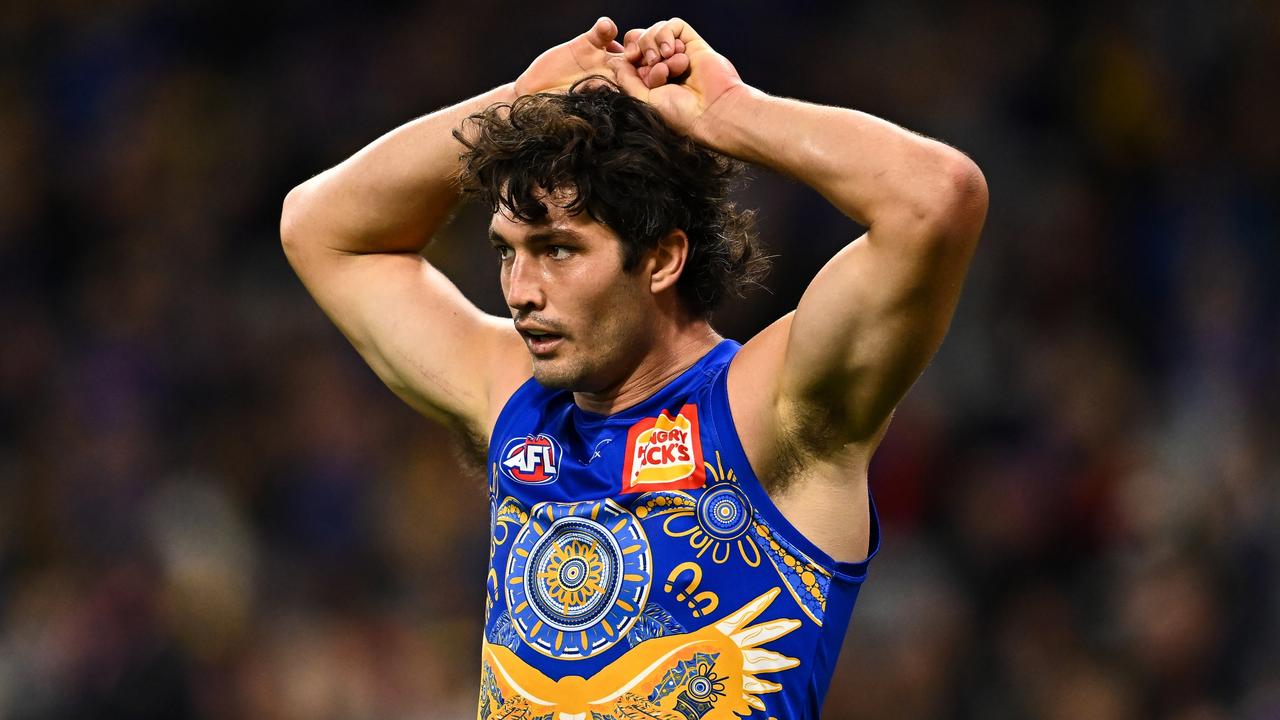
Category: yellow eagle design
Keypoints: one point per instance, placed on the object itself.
(725, 656)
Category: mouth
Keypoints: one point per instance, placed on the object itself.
(541, 342)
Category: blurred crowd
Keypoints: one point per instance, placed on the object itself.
(211, 509)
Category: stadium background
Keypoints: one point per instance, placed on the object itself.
(209, 507)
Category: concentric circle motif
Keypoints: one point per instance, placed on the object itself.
(724, 512)
(578, 577)
(700, 688)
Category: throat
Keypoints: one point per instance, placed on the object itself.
(654, 371)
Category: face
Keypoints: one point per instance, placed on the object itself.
(581, 316)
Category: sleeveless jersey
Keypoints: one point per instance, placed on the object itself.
(638, 569)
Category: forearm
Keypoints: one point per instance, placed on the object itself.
(390, 196)
(872, 170)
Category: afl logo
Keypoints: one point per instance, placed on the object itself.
(532, 459)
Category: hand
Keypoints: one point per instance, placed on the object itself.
(653, 68)
(560, 67)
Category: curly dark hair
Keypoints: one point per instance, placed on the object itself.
(614, 157)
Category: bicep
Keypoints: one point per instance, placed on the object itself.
(415, 329)
(867, 326)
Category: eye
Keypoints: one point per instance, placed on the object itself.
(504, 252)
(558, 252)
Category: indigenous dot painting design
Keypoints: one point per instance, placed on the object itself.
(578, 577)
(723, 524)
(505, 519)
(698, 685)
(724, 512)
(807, 582)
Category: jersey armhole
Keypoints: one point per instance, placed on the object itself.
(504, 415)
(726, 433)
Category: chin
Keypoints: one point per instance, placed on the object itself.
(556, 375)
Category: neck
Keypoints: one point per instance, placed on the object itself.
(674, 352)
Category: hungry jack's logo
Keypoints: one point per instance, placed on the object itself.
(664, 453)
(532, 459)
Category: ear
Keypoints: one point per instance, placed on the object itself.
(666, 261)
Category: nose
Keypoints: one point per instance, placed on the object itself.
(523, 282)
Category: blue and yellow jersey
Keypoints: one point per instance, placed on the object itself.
(638, 569)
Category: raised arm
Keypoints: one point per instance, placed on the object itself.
(354, 234)
(874, 316)
(876, 313)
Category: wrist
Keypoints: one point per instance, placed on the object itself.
(725, 125)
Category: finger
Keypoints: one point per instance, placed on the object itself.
(679, 46)
(632, 42)
(682, 30)
(677, 64)
(649, 44)
(648, 51)
(658, 75)
(615, 47)
(602, 33)
(666, 41)
(628, 78)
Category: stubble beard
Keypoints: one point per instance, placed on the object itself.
(581, 371)
(591, 363)
(557, 375)
(569, 371)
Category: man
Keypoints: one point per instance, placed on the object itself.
(679, 526)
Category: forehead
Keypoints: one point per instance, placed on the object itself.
(558, 221)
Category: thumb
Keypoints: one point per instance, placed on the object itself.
(602, 33)
(626, 76)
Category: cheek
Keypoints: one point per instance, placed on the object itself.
(593, 300)
(621, 321)
(605, 305)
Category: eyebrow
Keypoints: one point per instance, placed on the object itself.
(538, 237)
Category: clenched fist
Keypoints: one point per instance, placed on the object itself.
(673, 69)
